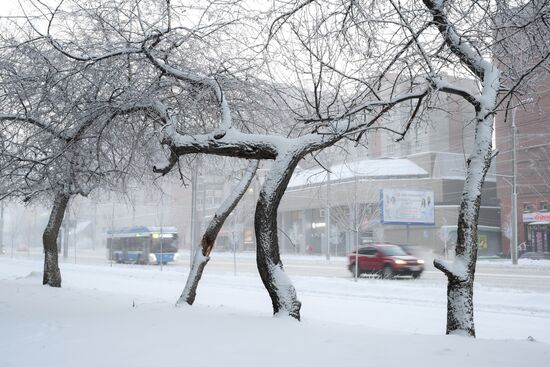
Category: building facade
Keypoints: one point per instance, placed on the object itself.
(350, 195)
(532, 174)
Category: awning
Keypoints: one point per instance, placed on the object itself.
(542, 223)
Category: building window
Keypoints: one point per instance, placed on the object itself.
(544, 206)
(528, 207)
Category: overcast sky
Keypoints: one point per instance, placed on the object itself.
(9, 7)
(12, 7)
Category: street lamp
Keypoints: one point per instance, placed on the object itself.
(514, 244)
(327, 215)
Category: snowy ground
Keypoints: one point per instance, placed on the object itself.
(125, 316)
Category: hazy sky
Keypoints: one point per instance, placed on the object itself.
(13, 7)
(9, 7)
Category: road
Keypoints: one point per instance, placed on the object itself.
(498, 275)
(533, 276)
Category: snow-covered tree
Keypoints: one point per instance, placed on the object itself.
(210, 60)
(503, 45)
(62, 131)
(475, 34)
(284, 151)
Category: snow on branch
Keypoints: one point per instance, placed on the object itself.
(93, 58)
(344, 128)
(453, 269)
(40, 124)
(446, 87)
(192, 77)
(456, 42)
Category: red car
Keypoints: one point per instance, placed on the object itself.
(385, 259)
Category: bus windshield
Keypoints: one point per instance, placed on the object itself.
(164, 244)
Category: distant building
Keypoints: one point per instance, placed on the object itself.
(355, 188)
(532, 175)
(523, 50)
(430, 159)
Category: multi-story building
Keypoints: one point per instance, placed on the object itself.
(431, 159)
(354, 206)
(532, 174)
(518, 55)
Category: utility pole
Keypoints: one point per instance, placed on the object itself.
(234, 250)
(161, 229)
(356, 227)
(1, 226)
(112, 233)
(65, 225)
(327, 215)
(193, 210)
(514, 242)
(94, 226)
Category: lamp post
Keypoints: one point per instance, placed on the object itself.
(194, 177)
(327, 216)
(356, 227)
(514, 239)
(1, 227)
(161, 229)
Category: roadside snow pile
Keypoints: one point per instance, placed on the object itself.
(522, 263)
(125, 316)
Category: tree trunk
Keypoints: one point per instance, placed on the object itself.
(278, 285)
(460, 282)
(461, 272)
(202, 255)
(52, 275)
(201, 258)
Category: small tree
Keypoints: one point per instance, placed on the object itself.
(58, 127)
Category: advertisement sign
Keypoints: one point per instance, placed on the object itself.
(536, 217)
(482, 241)
(406, 207)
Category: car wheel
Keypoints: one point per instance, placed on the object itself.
(416, 275)
(387, 272)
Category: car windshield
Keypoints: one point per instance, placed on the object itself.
(392, 251)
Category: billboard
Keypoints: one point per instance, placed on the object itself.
(406, 207)
(536, 217)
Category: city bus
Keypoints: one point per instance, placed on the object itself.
(142, 245)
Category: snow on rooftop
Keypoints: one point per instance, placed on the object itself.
(369, 168)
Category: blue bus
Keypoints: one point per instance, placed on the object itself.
(142, 245)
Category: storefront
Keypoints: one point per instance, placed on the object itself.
(537, 227)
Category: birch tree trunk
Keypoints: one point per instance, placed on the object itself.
(52, 274)
(278, 285)
(202, 255)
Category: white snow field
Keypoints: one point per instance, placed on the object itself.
(125, 316)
